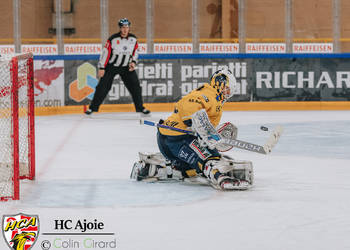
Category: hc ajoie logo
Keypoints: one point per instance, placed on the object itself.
(20, 231)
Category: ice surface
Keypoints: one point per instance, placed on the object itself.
(301, 197)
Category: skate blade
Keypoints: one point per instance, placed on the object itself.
(234, 188)
(142, 115)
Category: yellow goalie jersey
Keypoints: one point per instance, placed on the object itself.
(205, 97)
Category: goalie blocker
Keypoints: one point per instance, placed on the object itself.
(153, 167)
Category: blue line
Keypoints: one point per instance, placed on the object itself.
(197, 56)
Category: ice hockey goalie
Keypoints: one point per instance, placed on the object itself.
(231, 174)
(188, 156)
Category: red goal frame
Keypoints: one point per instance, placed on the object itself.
(17, 83)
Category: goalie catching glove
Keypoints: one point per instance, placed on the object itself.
(211, 137)
(227, 131)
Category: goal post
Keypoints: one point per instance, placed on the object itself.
(17, 132)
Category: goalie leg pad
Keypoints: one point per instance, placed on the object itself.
(153, 167)
(229, 174)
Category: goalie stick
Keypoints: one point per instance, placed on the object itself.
(265, 149)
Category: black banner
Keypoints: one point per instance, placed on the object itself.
(301, 79)
(266, 79)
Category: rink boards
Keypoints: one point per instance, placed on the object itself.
(66, 84)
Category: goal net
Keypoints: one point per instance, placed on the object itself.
(17, 155)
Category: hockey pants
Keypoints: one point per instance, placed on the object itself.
(184, 156)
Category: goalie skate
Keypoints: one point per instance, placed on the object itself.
(229, 183)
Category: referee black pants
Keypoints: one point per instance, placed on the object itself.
(131, 82)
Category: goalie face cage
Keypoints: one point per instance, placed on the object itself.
(17, 155)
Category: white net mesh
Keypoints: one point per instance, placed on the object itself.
(8, 134)
(6, 143)
(23, 118)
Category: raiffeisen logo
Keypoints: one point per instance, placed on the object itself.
(85, 84)
(20, 231)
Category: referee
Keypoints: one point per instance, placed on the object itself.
(119, 56)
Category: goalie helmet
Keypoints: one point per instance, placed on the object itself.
(124, 22)
(224, 82)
